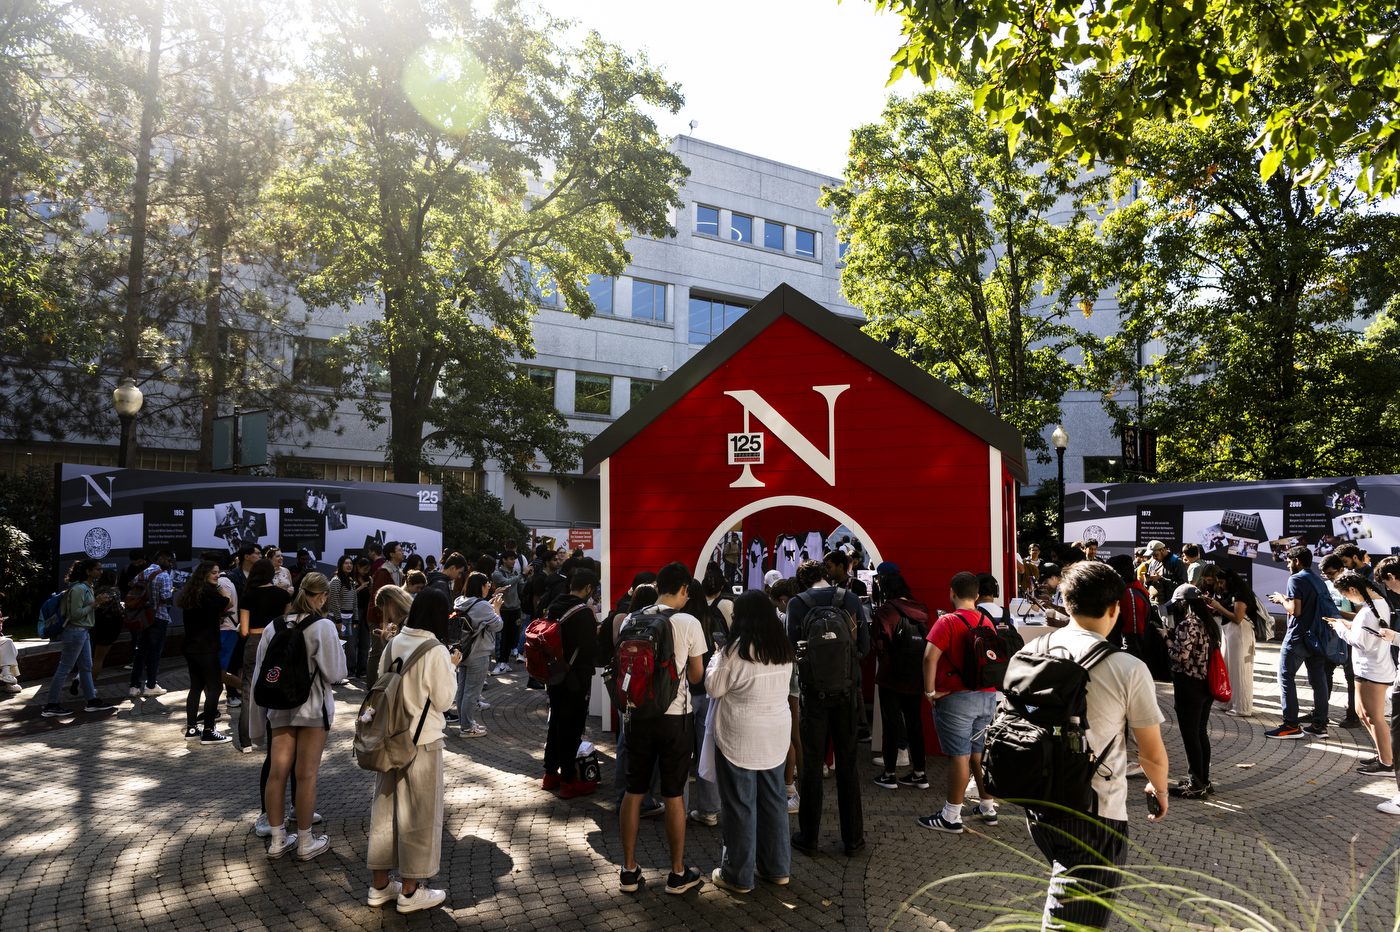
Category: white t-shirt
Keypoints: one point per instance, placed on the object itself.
(1120, 692)
(689, 640)
(229, 620)
(810, 546)
(1371, 654)
(785, 556)
(757, 561)
(753, 724)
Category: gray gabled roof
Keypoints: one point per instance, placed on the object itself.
(841, 333)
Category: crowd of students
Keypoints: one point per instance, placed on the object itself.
(754, 697)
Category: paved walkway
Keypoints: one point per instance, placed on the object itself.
(113, 822)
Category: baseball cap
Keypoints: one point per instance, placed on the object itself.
(887, 569)
(1154, 545)
(1049, 569)
(770, 577)
(1185, 591)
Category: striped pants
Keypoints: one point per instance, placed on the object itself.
(1085, 856)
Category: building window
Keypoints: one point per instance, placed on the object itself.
(773, 235)
(313, 363)
(741, 228)
(1103, 469)
(592, 394)
(841, 250)
(648, 300)
(542, 287)
(807, 244)
(640, 389)
(543, 379)
(600, 291)
(709, 317)
(376, 377)
(235, 346)
(707, 220)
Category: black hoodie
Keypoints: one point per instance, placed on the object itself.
(579, 633)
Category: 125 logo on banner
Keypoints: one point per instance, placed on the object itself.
(427, 500)
(745, 449)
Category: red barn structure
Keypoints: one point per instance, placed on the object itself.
(793, 421)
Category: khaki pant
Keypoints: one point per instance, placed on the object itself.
(1237, 647)
(405, 821)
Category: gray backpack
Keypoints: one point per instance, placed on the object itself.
(383, 741)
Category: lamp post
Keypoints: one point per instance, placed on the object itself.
(1060, 439)
(127, 399)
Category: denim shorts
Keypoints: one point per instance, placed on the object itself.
(227, 640)
(962, 719)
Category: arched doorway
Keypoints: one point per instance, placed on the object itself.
(785, 501)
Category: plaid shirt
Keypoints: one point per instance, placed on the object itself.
(160, 589)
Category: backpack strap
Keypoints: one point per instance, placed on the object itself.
(1096, 653)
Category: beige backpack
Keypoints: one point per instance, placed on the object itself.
(385, 736)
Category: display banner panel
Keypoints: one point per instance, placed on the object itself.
(104, 513)
(1244, 525)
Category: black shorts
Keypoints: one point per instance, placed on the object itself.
(667, 739)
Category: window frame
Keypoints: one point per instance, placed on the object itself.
(727, 304)
(633, 399)
(797, 240)
(747, 240)
(700, 224)
(658, 305)
(782, 232)
(317, 371)
(579, 378)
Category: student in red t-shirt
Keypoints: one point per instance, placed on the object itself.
(962, 714)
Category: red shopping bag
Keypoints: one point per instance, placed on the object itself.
(1218, 677)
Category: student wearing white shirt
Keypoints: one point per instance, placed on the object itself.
(749, 679)
(1372, 662)
(665, 739)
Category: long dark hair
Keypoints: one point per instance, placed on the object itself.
(1239, 591)
(260, 575)
(756, 634)
(1355, 582)
(196, 586)
(429, 613)
(347, 580)
(79, 570)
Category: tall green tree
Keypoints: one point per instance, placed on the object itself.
(1272, 311)
(967, 255)
(1130, 62)
(451, 163)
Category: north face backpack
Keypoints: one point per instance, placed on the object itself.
(382, 739)
(642, 680)
(985, 655)
(1037, 747)
(284, 679)
(544, 649)
(827, 655)
(907, 648)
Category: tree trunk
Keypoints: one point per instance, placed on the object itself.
(132, 323)
(212, 379)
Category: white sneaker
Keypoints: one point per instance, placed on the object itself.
(826, 771)
(1390, 806)
(497, 670)
(134, 691)
(275, 850)
(794, 803)
(878, 760)
(156, 690)
(422, 898)
(482, 705)
(903, 758)
(1135, 769)
(704, 818)
(312, 845)
(292, 816)
(235, 702)
(9, 684)
(391, 891)
(261, 828)
(475, 731)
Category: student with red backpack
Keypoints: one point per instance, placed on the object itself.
(961, 680)
(899, 635)
(658, 646)
(559, 651)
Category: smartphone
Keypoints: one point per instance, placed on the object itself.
(1154, 805)
(738, 590)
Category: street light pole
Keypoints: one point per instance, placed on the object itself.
(127, 399)
(1060, 440)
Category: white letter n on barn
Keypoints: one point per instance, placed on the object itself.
(822, 465)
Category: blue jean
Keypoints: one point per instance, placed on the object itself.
(145, 656)
(470, 675)
(755, 828)
(1294, 654)
(77, 655)
(706, 798)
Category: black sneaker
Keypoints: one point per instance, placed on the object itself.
(1312, 732)
(450, 717)
(54, 710)
(1351, 721)
(988, 818)
(801, 844)
(1368, 762)
(631, 880)
(193, 732)
(98, 705)
(940, 824)
(536, 684)
(679, 883)
(1190, 791)
(211, 736)
(918, 780)
(887, 780)
(1375, 767)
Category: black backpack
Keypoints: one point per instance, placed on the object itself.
(1152, 650)
(284, 679)
(1037, 748)
(716, 635)
(1006, 628)
(827, 656)
(985, 655)
(907, 648)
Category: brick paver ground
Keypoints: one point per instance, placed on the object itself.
(113, 822)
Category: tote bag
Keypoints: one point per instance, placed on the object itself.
(1218, 677)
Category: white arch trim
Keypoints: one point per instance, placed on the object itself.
(780, 501)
